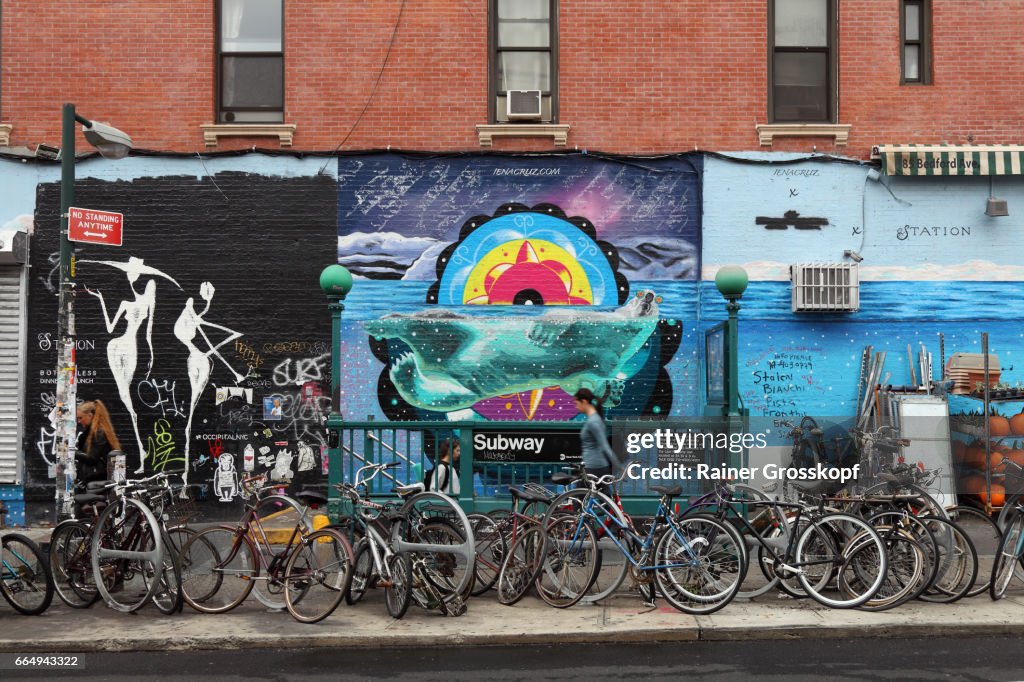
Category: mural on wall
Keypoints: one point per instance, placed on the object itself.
(179, 334)
(930, 262)
(529, 299)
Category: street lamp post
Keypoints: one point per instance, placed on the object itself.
(335, 282)
(731, 281)
(112, 144)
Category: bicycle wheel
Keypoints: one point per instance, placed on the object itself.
(398, 590)
(24, 580)
(570, 564)
(840, 550)
(985, 536)
(126, 554)
(317, 576)
(768, 523)
(167, 597)
(1007, 556)
(490, 550)
(521, 565)
(916, 528)
(957, 562)
(446, 571)
(219, 568)
(614, 565)
(362, 572)
(905, 574)
(700, 564)
(70, 564)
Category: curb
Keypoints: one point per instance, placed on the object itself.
(378, 641)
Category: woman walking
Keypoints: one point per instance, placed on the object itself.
(598, 457)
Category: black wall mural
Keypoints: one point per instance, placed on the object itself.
(205, 334)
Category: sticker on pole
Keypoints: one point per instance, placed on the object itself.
(95, 227)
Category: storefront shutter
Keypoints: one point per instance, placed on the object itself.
(11, 352)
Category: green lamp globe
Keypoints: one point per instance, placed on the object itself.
(336, 280)
(731, 281)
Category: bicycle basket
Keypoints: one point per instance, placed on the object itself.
(179, 511)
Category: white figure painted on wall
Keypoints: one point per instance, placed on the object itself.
(123, 351)
(200, 363)
(282, 470)
(306, 461)
(225, 480)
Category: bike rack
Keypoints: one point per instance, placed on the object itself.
(467, 550)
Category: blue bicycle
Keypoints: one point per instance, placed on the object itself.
(24, 580)
(697, 563)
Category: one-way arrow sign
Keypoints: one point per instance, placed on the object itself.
(95, 227)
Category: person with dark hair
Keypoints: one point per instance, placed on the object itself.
(96, 439)
(444, 477)
(598, 457)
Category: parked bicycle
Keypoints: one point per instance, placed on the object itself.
(419, 548)
(24, 581)
(311, 570)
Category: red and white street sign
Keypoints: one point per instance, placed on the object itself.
(95, 227)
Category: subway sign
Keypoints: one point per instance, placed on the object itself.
(527, 446)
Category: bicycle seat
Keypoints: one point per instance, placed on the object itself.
(310, 497)
(562, 478)
(89, 498)
(93, 486)
(527, 495)
(666, 490)
(410, 489)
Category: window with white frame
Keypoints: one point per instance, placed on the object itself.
(802, 61)
(524, 58)
(250, 61)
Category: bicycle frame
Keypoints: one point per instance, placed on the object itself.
(591, 503)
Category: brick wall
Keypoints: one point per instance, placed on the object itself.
(664, 75)
(254, 245)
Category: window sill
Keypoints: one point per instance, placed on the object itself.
(212, 132)
(5, 134)
(767, 132)
(558, 131)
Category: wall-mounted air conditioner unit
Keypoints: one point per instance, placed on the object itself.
(13, 247)
(523, 105)
(825, 287)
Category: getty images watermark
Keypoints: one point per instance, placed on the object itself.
(679, 452)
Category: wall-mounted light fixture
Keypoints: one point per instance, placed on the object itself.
(995, 208)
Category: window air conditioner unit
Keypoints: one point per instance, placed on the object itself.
(825, 287)
(523, 105)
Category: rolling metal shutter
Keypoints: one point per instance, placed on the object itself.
(11, 370)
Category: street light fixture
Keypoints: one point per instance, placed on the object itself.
(112, 144)
(335, 282)
(731, 281)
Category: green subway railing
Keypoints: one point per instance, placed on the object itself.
(484, 476)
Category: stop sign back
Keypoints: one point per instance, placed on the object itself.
(95, 227)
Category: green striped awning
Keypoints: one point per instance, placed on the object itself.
(942, 159)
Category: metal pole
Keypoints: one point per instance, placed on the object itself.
(66, 399)
(732, 368)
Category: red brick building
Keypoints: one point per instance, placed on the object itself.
(629, 77)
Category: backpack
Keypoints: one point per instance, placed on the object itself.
(428, 479)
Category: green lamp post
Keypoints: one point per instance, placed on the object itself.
(731, 281)
(335, 282)
(111, 144)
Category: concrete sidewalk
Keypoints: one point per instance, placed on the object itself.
(487, 622)
(367, 625)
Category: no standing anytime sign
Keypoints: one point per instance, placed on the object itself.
(95, 227)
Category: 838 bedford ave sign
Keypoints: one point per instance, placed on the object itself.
(527, 446)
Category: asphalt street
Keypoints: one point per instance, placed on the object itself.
(937, 658)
